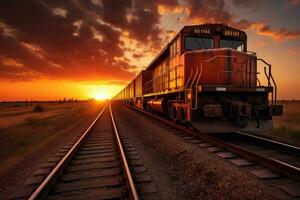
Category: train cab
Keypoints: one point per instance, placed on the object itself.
(218, 51)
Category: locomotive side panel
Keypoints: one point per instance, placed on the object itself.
(244, 69)
(132, 89)
(220, 67)
(140, 81)
(176, 65)
(168, 72)
(201, 68)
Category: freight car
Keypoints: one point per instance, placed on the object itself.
(206, 77)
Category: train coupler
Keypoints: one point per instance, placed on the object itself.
(241, 111)
(211, 110)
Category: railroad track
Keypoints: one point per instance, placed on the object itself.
(95, 167)
(284, 153)
(278, 159)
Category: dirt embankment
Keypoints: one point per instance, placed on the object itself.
(183, 171)
(32, 139)
(286, 127)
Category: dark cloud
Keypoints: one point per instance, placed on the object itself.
(202, 11)
(292, 3)
(115, 12)
(216, 11)
(138, 55)
(276, 34)
(84, 39)
(75, 39)
(209, 10)
(247, 4)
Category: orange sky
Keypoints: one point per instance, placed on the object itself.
(54, 90)
(52, 50)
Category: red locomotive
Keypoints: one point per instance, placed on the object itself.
(206, 76)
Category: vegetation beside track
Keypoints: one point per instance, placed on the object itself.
(287, 127)
(23, 131)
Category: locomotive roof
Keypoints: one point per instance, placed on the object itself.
(215, 28)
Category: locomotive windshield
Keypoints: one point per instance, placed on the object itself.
(192, 43)
(233, 44)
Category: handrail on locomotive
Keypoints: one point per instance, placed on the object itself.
(268, 75)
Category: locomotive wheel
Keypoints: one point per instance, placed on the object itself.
(173, 114)
(147, 108)
(243, 121)
(170, 114)
(182, 114)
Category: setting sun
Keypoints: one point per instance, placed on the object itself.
(100, 96)
(102, 92)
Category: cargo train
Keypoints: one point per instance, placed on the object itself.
(206, 77)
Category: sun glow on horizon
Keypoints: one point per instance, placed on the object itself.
(20, 91)
(103, 92)
(100, 96)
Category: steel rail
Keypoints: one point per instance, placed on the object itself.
(290, 149)
(130, 182)
(276, 165)
(40, 192)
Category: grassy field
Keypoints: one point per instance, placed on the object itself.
(25, 128)
(287, 127)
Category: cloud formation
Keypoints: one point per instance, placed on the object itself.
(293, 2)
(215, 11)
(276, 34)
(99, 39)
(73, 39)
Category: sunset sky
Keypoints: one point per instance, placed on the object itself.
(53, 49)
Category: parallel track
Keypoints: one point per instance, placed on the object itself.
(290, 169)
(94, 168)
(285, 153)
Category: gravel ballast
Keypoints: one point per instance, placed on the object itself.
(181, 170)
